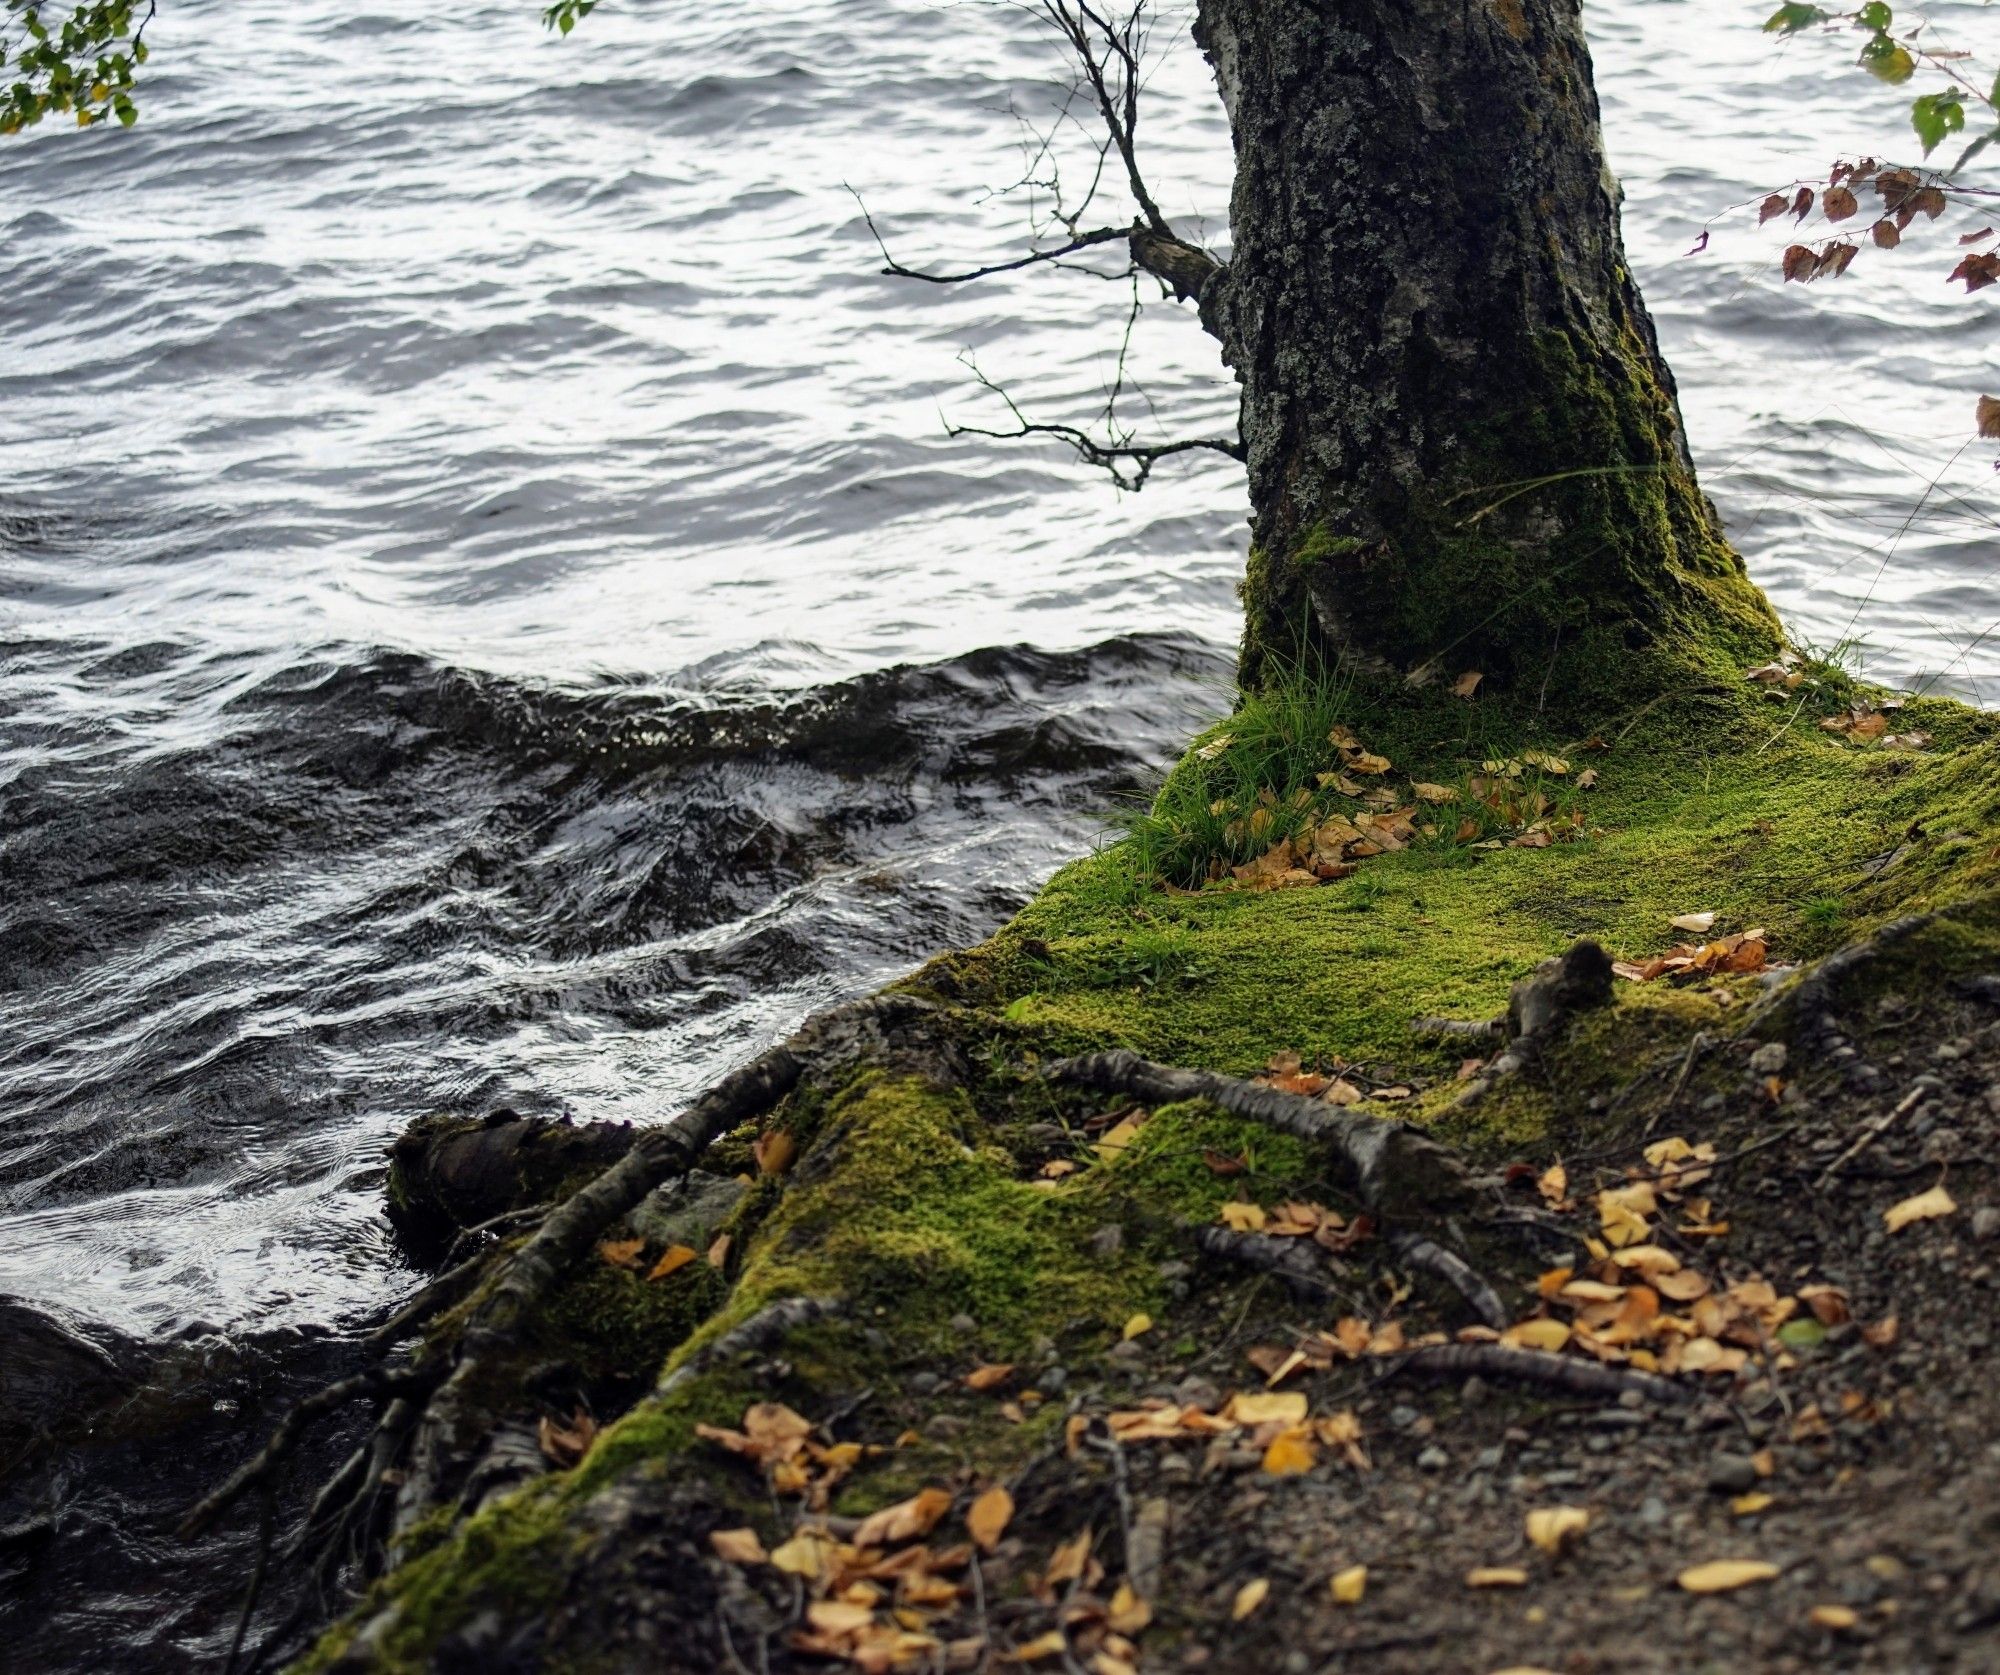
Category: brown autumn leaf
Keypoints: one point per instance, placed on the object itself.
(1291, 1452)
(1220, 1163)
(1925, 1206)
(718, 1253)
(676, 1258)
(905, 1521)
(737, 1546)
(1802, 203)
(989, 1376)
(986, 1519)
(566, 1442)
(1800, 262)
(1838, 203)
(1067, 1562)
(1772, 207)
(774, 1150)
(621, 1253)
(1886, 234)
(1988, 414)
(1467, 683)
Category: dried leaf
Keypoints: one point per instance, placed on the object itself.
(1836, 1618)
(986, 1519)
(1122, 1134)
(1245, 1218)
(1988, 413)
(1138, 1326)
(1719, 1576)
(1066, 1563)
(621, 1253)
(737, 1546)
(676, 1258)
(1248, 1598)
(1554, 1528)
(905, 1521)
(1748, 1506)
(564, 1444)
(1428, 793)
(1926, 1206)
(1699, 923)
(1291, 1453)
(806, 1554)
(1040, 1649)
(1128, 1613)
(774, 1150)
(1348, 1585)
(1467, 683)
(1546, 1335)
(989, 1376)
(1496, 1576)
(1250, 1408)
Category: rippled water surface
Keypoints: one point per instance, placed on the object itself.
(489, 609)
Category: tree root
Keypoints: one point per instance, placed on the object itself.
(1457, 1029)
(436, 1297)
(1291, 1260)
(1811, 999)
(1532, 1366)
(293, 1426)
(764, 1329)
(1393, 1167)
(1427, 1256)
(1539, 1006)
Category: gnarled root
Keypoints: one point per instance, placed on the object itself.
(1295, 1261)
(1541, 1004)
(762, 1331)
(1392, 1167)
(1532, 1366)
(1427, 1256)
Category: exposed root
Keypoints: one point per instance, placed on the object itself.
(1461, 1029)
(762, 1331)
(1532, 1366)
(1292, 1260)
(1427, 1256)
(1393, 1167)
(1811, 998)
(436, 1297)
(293, 1426)
(1540, 1005)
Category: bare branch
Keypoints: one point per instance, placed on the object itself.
(1082, 241)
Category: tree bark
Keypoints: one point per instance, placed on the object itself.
(1464, 448)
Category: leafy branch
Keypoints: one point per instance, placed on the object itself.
(82, 61)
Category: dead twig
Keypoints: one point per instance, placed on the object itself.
(1873, 1132)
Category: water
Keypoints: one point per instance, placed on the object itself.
(489, 610)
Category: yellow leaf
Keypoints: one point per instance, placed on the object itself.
(1274, 1407)
(1349, 1584)
(1467, 683)
(1245, 1218)
(1720, 1575)
(904, 1521)
(1066, 1563)
(1433, 793)
(1554, 1183)
(676, 1258)
(1290, 1453)
(804, 1555)
(621, 1253)
(1838, 1618)
(1117, 1138)
(986, 1519)
(1552, 1528)
(1548, 1335)
(774, 1150)
(1926, 1206)
(1745, 1506)
(1137, 1327)
(1105, 1664)
(1042, 1647)
(1496, 1576)
(835, 1616)
(990, 1376)
(1248, 1598)
(1368, 763)
(737, 1546)
(1128, 1613)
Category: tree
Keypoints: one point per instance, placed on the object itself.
(1463, 446)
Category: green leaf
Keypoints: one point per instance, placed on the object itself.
(1790, 18)
(128, 113)
(1935, 115)
(1886, 61)
(1875, 16)
(1803, 1333)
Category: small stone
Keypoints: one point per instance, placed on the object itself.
(1652, 1511)
(1986, 1222)
(1947, 1052)
(1473, 1391)
(1433, 1458)
(1488, 1459)
(1175, 1269)
(1128, 1351)
(1713, 1103)
(1402, 1416)
(944, 1427)
(1731, 1474)
(1631, 1399)
(1107, 1241)
(1195, 1391)
(1993, 1099)
(1769, 1059)
(924, 1383)
(1053, 1381)
(1942, 1144)
(964, 1324)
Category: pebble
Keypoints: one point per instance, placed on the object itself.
(964, 1323)
(944, 1427)
(1195, 1391)
(1402, 1416)
(1768, 1059)
(1107, 1241)
(1129, 1350)
(1631, 1399)
(924, 1383)
(1433, 1458)
(1652, 1511)
(1053, 1381)
(1731, 1474)
(1986, 1222)
(1488, 1459)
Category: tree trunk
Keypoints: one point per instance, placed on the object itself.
(1464, 448)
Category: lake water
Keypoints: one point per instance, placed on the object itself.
(489, 611)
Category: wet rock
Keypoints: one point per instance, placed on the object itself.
(1731, 1474)
(452, 1172)
(689, 1211)
(1433, 1458)
(1769, 1059)
(1986, 1222)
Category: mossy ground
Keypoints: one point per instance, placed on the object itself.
(926, 1208)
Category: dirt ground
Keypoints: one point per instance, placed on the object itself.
(1858, 1460)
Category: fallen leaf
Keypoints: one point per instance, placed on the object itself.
(1215, 747)
(1138, 1326)
(1926, 1206)
(1546, 1335)
(1554, 1528)
(718, 1253)
(1553, 1185)
(1128, 1613)
(737, 1546)
(1066, 1563)
(987, 1517)
(676, 1258)
(621, 1253)
(1429, 793)
(839, 1616)
(1245, 1218)
(989, 1377)
(1275, 1407)
(1837, 1618)
(1290, 1453)
(566, 1443)
(1719, 1576)
(1467, 683)
(1348, 1585)
(774, 1150)
(1116, 1139)
(1700, 923)
(1248, 1598)
(904, 1521)
(1496, 1576)
(1040, 1649)
(1748, 1506)
(804, 1555)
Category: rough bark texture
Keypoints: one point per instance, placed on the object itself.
(1464, 448)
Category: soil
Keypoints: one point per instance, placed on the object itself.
(1880, 1460)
